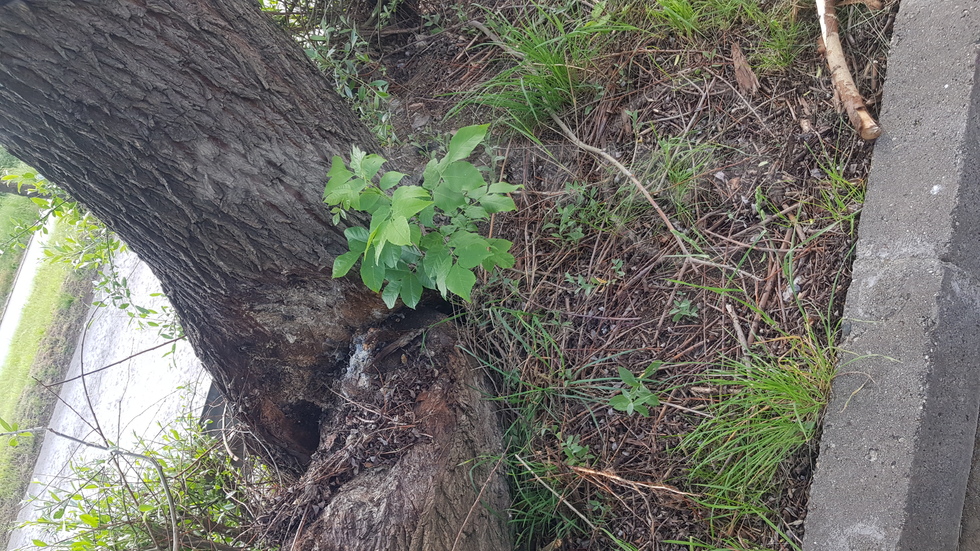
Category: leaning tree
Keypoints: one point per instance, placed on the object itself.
(199, 132)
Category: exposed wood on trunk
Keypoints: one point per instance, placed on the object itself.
(445, 419)
(198, 131)
(844, 85)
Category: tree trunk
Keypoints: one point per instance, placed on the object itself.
(198, 132)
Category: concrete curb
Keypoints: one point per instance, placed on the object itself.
(898, 441)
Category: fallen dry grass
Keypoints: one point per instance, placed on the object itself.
(730, 122)
(764, 192)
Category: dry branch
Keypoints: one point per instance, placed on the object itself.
(857, 112)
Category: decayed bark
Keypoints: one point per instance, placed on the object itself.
(857, 112)
(450, 492)
(200, 134)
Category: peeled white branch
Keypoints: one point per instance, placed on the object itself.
(857, 112)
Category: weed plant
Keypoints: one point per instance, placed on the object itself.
(583, 210)
(674, 167)
(340, 51)
(118, 501)
(405, 249)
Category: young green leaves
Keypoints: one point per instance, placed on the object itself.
(636, 397)
(404, 250)
(13, 430)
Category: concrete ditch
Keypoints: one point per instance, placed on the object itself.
(900, 434)
(139, 396)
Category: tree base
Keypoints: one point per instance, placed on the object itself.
(408, 461)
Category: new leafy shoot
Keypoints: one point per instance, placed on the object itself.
(404, 250)
(636, 397)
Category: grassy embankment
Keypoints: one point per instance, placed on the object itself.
(42, 349)
(15, 213)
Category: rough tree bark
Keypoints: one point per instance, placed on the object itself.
(198, 132)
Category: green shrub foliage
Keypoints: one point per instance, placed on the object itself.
(420, 237)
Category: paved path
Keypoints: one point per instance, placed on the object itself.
(21, 290)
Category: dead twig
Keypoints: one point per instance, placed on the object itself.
(634, 484)
(747, 103)
(689, 410)
(840, 74)
(113, 364)
(738, 332)
(560, 497)
(629, 175)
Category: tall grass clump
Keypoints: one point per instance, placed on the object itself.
(768, 408)
(774, 34)
(554, 51)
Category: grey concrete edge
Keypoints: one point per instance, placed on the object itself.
(899, 432)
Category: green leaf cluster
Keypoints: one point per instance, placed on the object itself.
(636, 397)
(420, 236)
(112, 503)
(87, 245)
(13, 431)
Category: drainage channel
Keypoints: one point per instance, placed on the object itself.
(137, 398)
